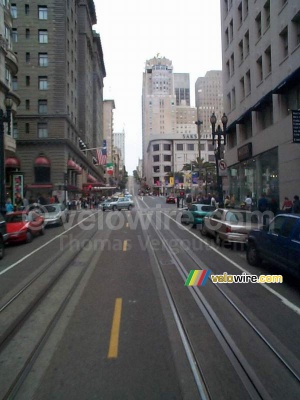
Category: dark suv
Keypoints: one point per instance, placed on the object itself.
(3, 236)
(278, 243)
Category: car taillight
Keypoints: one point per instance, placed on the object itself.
(228, 229)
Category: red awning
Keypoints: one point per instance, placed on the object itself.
(91, 178)
(71, 164)
(42, 162)
(39, 186)
(78, 169)
(12, 162)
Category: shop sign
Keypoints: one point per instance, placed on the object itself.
(244, 152)
(296, 126)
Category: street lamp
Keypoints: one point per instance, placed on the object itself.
(4, 118)
(199, 123)
(219, 133)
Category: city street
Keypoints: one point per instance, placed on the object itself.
(98, 309)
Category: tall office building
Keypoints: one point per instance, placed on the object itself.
(119, 142)
(10, 164)
(169, 130)
(60, 83)
(261, 83)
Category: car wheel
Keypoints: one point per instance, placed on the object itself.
(203, 230)
(129, 208)
(218, 240)
(114, 208)
(28, 237)
(42, 232)
(60, 222)
(194, 226)
(2, 248)
(67, 218)
(253, 257)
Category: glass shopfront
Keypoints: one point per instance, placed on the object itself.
(255, 176)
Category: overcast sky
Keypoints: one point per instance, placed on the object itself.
(133, 31)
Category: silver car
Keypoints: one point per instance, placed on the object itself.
(55, 214)
(230, 225)
(120, 204)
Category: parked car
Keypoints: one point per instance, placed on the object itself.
(55, 214)
(171, 199)
(3, 236)
(277, 242)
(104, 205)
(230, 225)
(195, 214)
(120, 204)
(22, 226)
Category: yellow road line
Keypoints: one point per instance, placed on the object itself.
(115, 330)
(125, 245)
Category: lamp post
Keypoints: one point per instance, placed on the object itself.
(219, 133)
(4, 118)
(199, 123)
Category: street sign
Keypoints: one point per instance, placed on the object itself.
(222, 168)
(296, 126)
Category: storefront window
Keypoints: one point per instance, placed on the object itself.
(255, 176)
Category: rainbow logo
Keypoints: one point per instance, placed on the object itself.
(197, 277)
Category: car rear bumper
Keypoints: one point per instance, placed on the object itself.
(235, 237)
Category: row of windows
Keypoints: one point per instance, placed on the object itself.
(42, 82)
(42, 11)
(180, 147)
(42, 130)
(167, 168)
(42, 35)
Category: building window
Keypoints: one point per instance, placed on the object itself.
(245, 8)
(211, 158)
(43, 36)
(42, 130)
(27, 57)
(14, 83)
(227, 70)
(296, 30)
(43, 106)
(179, 147)
(167, 168)
(190, 147)
(27, 80)
(284, 42)
(156, 169)
(155, 158)
(268, 61)
(246, 42)
(27, 128)
(267, 14)
(232, 64)
(27, 104)
(167, 147)
(42, 174)
(231, 30)
(26, 9)
(241, 51)
(258, 26)
(43, 83)
(43, 59)
(27, 33)
(248, 82)
(259, 70)
(15, 130)
(43, 12)
(156, 147)
(15, 35)
(167, 157)
(233, 99)
(242, 88)
(226, 38)
(240, 14)
(13, 11)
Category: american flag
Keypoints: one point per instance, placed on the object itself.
(101, 154)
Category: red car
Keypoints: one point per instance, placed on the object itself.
(21, 226)
(171, 199)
